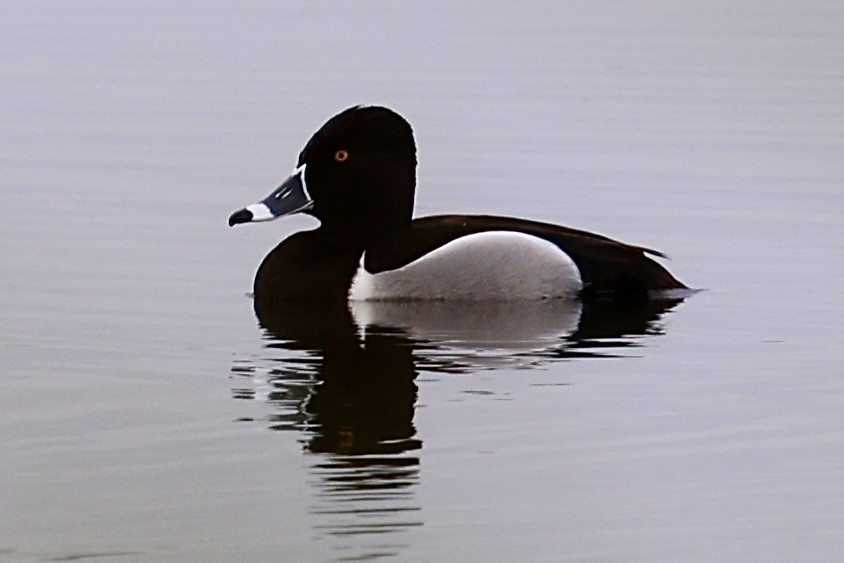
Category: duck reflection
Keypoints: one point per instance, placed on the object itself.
(345, 378)
(353, 392)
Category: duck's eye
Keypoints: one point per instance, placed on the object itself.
(341, 156)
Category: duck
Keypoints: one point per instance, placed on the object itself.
(357, 176)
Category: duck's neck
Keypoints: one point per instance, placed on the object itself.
(306, 267)
(380, 204)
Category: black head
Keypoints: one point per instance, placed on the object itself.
(357, 175)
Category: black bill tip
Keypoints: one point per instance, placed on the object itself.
(242, 216)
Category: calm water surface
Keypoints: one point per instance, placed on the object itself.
(146, 415)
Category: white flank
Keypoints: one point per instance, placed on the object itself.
(491, 266)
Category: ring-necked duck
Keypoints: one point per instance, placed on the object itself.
(357, 175)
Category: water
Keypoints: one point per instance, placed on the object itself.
(146, 416)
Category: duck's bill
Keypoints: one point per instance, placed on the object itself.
(290, 197)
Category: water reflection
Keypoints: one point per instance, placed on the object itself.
(352, 393)
(345, 379)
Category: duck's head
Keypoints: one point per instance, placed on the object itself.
(357, 175)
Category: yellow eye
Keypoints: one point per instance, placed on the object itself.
(341, 156)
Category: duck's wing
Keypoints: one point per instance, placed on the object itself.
(608, 268)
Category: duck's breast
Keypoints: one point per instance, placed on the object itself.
(488, 266)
